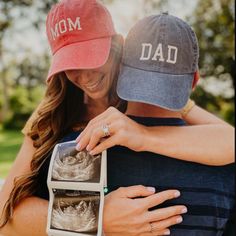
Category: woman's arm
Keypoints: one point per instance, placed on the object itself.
(199, 116)
(208, 140)
(210, 143)
(30, 215)
(29, 218)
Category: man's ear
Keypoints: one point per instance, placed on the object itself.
(196, 79)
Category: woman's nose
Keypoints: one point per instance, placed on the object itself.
(86, 75)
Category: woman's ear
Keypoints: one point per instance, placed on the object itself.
(196, 79)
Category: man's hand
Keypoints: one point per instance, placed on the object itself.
(127, 215)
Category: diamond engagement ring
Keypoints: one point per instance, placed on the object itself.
(106, 131)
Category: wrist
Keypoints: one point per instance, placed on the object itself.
(188, 107)
(149, 139)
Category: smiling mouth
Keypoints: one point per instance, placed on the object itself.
(94, 85)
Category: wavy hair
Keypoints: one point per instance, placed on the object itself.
(61, 109)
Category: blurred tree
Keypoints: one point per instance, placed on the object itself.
(6, 20)
(24, 91)
(213, 21)
(29, 70)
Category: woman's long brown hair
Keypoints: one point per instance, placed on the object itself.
(62, 109)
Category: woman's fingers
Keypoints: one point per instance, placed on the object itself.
(135, 191)
(105, 144)
(152, 230)
(92, 132)
(161, 227)
(165, 213)
(98, 134)
(160, 197)
(164, 224)
(111, 117)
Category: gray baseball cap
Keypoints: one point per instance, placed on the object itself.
(160, 58)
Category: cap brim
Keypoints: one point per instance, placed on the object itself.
(83, 55)
(164, 90)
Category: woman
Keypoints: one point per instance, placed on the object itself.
(69, 104)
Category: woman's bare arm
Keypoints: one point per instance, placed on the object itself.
(30, 215)
(199, 116)
(209, 144)
(207, 140)
(29, 218)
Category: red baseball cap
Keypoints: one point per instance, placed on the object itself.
(79, 33)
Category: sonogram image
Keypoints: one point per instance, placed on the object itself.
(71, 165)
(76, 211)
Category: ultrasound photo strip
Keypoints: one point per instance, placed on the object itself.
(76, 182)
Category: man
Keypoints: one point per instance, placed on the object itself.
(159, 70)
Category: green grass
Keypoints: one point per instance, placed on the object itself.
(10, 142)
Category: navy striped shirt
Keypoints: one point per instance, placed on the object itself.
(207, 191)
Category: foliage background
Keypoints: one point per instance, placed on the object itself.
(25, 55)
(23, 69)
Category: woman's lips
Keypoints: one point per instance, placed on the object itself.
(94, 86)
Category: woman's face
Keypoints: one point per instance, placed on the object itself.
(95, 83)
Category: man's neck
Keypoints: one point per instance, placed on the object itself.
(145, 110)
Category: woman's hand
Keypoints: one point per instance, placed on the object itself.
(123, 131)
(126, 214)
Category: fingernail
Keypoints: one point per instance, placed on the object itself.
(88, 148)
(184, 210)
(179, 220)
(167, 232)
(77, 147)
(78, 139)
(177, 194)
(151, 189)
(92, 153)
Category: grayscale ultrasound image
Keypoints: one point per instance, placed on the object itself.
(71, 165)
(76, 211)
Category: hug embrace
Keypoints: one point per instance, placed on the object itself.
(169, 162)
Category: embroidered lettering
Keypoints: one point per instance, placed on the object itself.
(159, 53)
(149, 52)
(74, 25)
(172, 54)
(65, 25)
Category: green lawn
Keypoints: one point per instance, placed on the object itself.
(10, 142)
